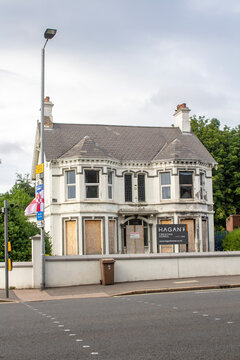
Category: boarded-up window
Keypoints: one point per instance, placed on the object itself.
(166, 248)
(204, 235)
(93, 237)
(111, 235)
(191, 235)
(71, 237)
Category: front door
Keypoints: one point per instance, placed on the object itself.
(191, 235)
(71, 237)
(134, 239)
(93, 237)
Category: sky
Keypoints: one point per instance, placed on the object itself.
(119, 62)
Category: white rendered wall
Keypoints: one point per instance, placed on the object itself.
(20, 277)
(82, 270)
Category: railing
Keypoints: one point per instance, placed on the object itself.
(218, 237)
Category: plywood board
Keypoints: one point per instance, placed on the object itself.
(71, 237)
(191, 235)
(135, 239)
(111, 235)
(166, 248)
(204, 235)
(93, 237)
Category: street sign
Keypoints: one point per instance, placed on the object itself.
(173, 234)
(39, 169)
(40, 223)
(40, 215)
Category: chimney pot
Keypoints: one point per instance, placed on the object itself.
(47, 99)
(181, 106)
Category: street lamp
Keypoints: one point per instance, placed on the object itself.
(48, 35)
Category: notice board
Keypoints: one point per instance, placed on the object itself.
(172, 234)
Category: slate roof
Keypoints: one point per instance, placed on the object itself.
(123, 143)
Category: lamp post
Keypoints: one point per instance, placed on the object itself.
(48, 35)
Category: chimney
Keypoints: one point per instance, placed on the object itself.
(48, 118)
(182, 119)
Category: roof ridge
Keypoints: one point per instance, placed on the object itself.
(114, 125)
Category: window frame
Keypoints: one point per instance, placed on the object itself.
(186, 185)
(110, 185)
(128, 193)
(91, 184)
(141, 192)
(202, 184)
(69, 185)
(164, 186)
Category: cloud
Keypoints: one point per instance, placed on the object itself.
(9, 148)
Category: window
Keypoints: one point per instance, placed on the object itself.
(165, 185)
(202, 185)
(186, 184)
(71, 184)
(92, 184)
(110, 185)
(141, 187)
(128, 187)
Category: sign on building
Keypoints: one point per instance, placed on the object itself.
(174, 234)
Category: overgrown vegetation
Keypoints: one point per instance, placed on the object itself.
(19, 228)
(231, 242)
(224, 146)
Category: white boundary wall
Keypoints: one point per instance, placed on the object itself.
(82, 270)
(20, 277)
(79, 270)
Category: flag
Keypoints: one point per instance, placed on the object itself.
(37, 204)
(32, 208)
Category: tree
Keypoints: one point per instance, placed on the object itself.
(224, 146)
(231, 242)
(19, 228)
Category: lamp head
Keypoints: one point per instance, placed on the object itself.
(50, 33)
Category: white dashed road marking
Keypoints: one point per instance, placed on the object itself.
(66, 330)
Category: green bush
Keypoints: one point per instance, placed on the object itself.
(232, 241)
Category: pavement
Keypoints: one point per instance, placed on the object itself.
(121, 289)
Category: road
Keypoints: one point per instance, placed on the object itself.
(188, 325)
